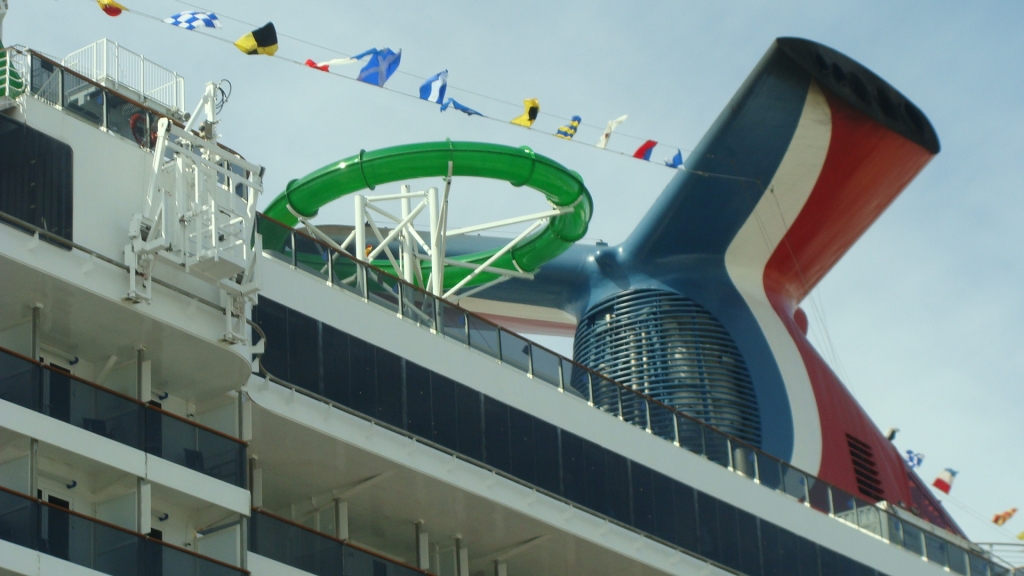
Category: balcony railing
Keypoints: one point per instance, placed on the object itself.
(300, 547)
(70, 399)
(88, 542)
(113, 65)
(449, 320)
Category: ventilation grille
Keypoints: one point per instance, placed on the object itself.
(865, 469)
(672, 349)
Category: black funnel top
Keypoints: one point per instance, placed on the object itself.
(863, 90)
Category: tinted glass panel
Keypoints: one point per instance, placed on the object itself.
(389, 387)
(418, 403)
(749, 540)
(643, 498)
(471, 429)
(453, 323)
(521, 436)
(663, 507)
(483, 336)
(515, 351)
(618, 486)
(361, 375)
(717, 447)
(769, 472)
(545, 440)
(303, 351)
(729, 534)
(36, 178)
(445, 412)
(707, 526)
(335, 365)
(979, 567)
(496, 435)
(545, 366)
(685, 516)
(596, 496)
(83, 99)
(382, 289)
(807, 557)
(936, 550)
(574, 470)
(913, 539)
(771, 557)
(957, 560)
(311, 256)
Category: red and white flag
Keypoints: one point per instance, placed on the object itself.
(945, 480)
(1004, 517)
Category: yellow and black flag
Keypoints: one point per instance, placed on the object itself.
(532, 108)
(260, 41)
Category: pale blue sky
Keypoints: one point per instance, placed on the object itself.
(924, 314)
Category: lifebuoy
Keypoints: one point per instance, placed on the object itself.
(138, 127)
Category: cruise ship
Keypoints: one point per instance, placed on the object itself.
(192, 387)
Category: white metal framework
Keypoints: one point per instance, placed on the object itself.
(199, 214)
(413, 248)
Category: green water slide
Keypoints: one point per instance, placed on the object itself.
(518, 166)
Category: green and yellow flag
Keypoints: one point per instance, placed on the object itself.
(260, 41)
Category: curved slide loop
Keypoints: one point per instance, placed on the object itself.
(518, 166)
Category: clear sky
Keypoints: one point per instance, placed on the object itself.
(923, 318)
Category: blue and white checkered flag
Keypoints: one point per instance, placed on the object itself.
(914, 459)
(189, 19)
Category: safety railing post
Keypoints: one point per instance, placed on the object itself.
(647, 409)
(675, 428)
(291, 242)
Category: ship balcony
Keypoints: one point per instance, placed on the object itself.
(56, 393)
(68, 542)
(76, 160)
(406, 364)
(138, 484)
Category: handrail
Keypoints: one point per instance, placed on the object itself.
(121, 529)
(732, 441)
(123, 396)
(343, 542)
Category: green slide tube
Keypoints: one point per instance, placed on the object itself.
(518, 166)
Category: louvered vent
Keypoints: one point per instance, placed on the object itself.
(865, 469)
(671, 348)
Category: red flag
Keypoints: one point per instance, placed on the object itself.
(945, 480)
(644, 151)
(323, 67)
(111, 7)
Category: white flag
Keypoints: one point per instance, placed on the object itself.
(612, 125)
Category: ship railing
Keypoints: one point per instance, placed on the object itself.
(304, 252)
(44, 527)
(317, 553)
(120, 69)
(123, 419)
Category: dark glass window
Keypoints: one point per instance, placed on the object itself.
(545, 441)
(496, 441)
(520, 426)
(389, 388)
(596, 494)
(417, 412)
(662, 507)
(729, 534)
(684, 499)
(788, 553)
(361, 375)
(749, 539)
(273, 319)
(618, 487)
(445, 412)
(807, 557)
(707, 526)
(770, 559)
(643, 498)
(335, 365)
(303, 351)
(36, 178)
(574, 470)
(471, 426)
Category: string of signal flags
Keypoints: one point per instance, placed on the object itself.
(380, 64)
(944, 483)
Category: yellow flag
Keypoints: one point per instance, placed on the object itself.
(1020, 536)
(111, 7)
(260, 41)
(531, 109)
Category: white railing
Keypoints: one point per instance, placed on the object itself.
(114, 66)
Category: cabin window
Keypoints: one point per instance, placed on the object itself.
(36, 178)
